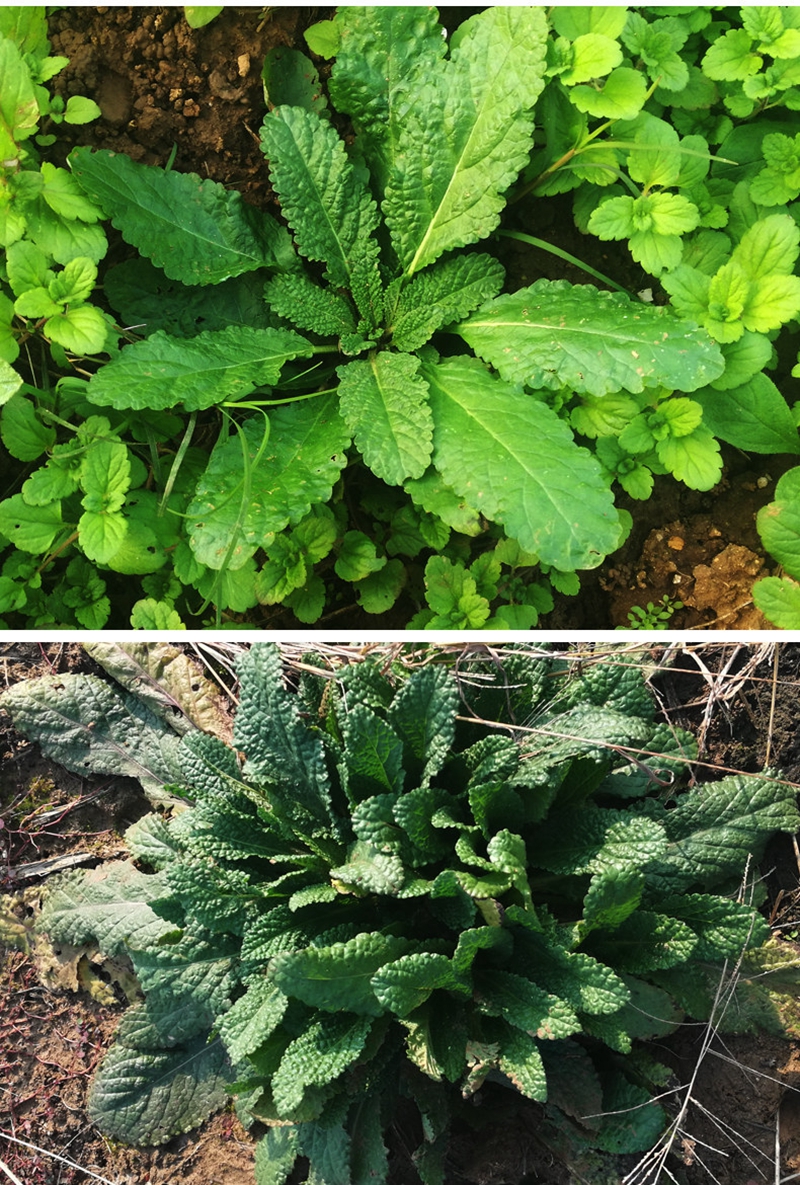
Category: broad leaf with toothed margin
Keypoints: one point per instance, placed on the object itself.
(465, 135)
(556, 334)
(510, 456)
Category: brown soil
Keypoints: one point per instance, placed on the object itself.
(59, 1007)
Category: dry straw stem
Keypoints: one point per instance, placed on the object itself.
(53, 1156)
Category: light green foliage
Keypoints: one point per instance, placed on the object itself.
(778, 523)
(390, 898)
(291, 422)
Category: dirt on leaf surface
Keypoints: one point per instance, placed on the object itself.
(59, 1007)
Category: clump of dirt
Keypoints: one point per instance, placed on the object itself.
(161, 84)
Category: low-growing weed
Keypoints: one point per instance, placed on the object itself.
(415, 880)
(349, 403)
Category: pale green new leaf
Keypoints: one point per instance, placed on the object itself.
(337, 978)
(753, 416)
(298, 468)
(85, 725)
(323, 197)
(465, 135)
(29, 528)
(197, 231)
(778, 598)
(511, 457)
(109, 905)
(384, 403)
(163, 371)
(554, 334)
(779, 528)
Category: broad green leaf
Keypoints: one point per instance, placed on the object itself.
(109, 905)
(10, 381)
(30, 528)
(281, 752)
(64, 240)
(26, 26)
(377, 592)
(318, 1056)
(655, 160)
(553, 334)
(27, 267)
(302, 302)
(452, 593)
(713, 831)
(74, 283)
(200, 15)
(276, 1151)
(79, 109)
(778, 598)
(769, 248)
(101, 534)
(694, 459)
(383, 55)
(368, 870)
(621, 96)
(151, 841)
(86, 726)
(521, 1061)
(465, 135)
(64, 195)
(423, 716)
(744, 359)
(770, 302)
(374, 754)
(323, 197)
(512, 458)
(199, 232)
(337, 978)
(290, 79)
(163, 371)
(644, 941)
(81, 329)
(613, 894)
(150, 614)
(779, 524)
(753, 416)
(405, 984)
(145, 1096)
(435, 496)
(445, 292)
(357, 557)
(729, 58)
(384, 404)
(298, 468)
(19, 109)
(525, 1005)
(725, 928)
(572, 22)
(593, 56)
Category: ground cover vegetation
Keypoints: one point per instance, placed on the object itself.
(394, 885)
(251, 407)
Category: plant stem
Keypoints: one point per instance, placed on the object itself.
(565, 255)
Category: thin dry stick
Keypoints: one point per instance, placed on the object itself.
(55, 1156)
(13, 1178)
(775, 657)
